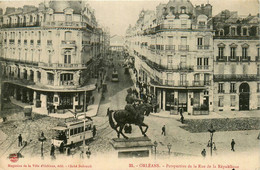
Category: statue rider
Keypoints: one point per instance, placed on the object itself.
(131, 103)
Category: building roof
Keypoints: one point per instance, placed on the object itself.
(60, 6)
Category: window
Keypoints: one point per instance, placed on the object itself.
(199, 63)
(244, 52)
(244, 31)
(169, 58)
(221, 52)
(68, 17)
(206, 63)
(258, 69)
(258, 102)
(206, 79)
(200, 43)
(39, 76)
(258, 87)
(183, 79)
(220, 88)
(183, 61)
(71, 132)
(196, 79)
(66, 79)
(172, 10)
(258, 52)
(183, 10)
(232, 52)
(232, 101)
(232, 87)
(183, 23)
(50, 78)
(233, 31)
(221, 101)
(67, 57)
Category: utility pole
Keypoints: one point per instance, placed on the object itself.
(84, 110)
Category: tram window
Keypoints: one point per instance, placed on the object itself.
(86, 128)
(75, 131)
(82, 129)
(71, 131)
(79, 130)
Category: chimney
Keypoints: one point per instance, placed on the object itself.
(9, 10)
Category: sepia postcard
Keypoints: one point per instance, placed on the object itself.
(129, 84)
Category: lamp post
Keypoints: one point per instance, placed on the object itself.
(155, 145)
(169, 148)
(210, 144)
(42, 138)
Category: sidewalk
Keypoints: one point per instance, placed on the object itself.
(212, 115)
(91, 112)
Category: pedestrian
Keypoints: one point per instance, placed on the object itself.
(52, 150)
(182, 119)
(233, 145)
(94, 131)
(181, 111)
(20, 140)
(81, 155)
(203, 153)
(163, 130)
(88, 153)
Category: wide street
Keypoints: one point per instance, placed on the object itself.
(183, 143)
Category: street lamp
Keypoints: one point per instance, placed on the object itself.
(42, 138)
(155, 145)
(210, 144)
(169, 148)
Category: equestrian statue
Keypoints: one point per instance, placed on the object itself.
(132, 114)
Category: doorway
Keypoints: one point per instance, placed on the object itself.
(244, 94)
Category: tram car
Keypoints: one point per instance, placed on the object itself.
(72, 132)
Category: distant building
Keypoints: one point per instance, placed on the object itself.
(117, 43)
(236, 62)
(49, 53)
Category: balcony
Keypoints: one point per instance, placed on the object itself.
(11, 41)
(203, 67)
(183, 48)
(221, 91)
(236, 77)
(198, 83)
(73, 24)
(233, 91)
(233, 58)
(170, 47)
(169, 82)
(221, 58)
(203, 47)
(245, 58)
(183, 83)
(58, 65)
(68, 43)
(50, 82)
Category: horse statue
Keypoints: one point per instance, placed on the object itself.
(123, 117)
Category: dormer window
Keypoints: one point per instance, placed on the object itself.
(221, 32)
(183, 10)
(233, 31)
(172, 10)
(244, 31)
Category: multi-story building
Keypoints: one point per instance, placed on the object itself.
(173, 50)
(236, 62)
(49, 53)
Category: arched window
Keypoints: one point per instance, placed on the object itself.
(172, 10)
(183, 9)
(221, 32)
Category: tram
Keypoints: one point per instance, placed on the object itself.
(72, 132)
(115, 76)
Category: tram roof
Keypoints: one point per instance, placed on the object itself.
(59, 128)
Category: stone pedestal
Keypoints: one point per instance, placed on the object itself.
(132, 148)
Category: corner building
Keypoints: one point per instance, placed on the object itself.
(173, 51)
(236, 62)
(49, 53)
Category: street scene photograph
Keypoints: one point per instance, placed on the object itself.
(144, 84)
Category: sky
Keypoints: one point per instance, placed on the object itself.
(117, 15)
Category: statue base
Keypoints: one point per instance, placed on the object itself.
(133, 147)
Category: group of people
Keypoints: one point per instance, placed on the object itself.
(203, 152)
